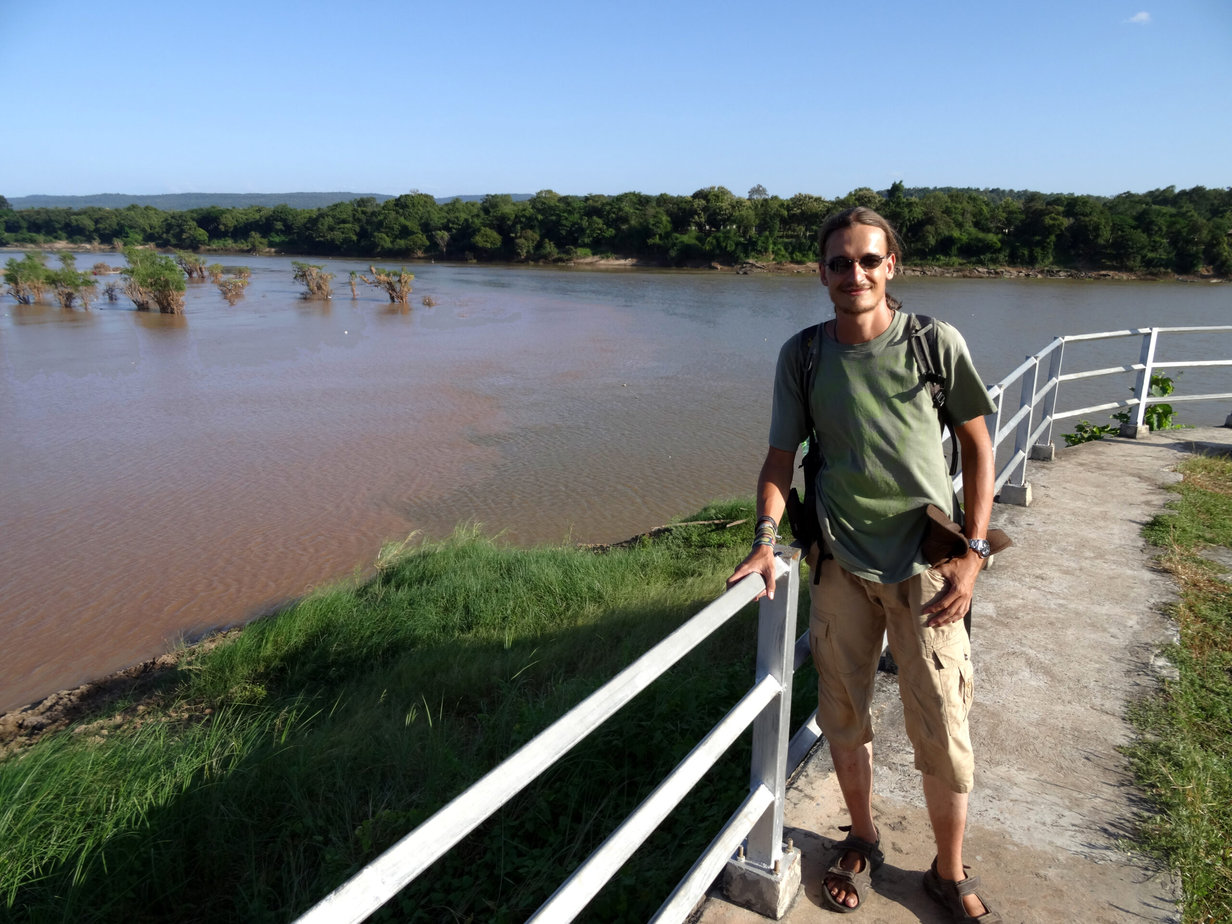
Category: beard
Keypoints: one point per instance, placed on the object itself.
(857, 303)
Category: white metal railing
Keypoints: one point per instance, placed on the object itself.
(1031, 420)
(757, 823)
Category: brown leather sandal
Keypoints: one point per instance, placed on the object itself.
(949, 894)
(853, 882)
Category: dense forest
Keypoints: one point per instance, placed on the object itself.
(179, 202)
(1163, 231)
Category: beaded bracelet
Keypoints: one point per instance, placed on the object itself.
(767, 531)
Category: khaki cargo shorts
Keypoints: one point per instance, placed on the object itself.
(935, 678)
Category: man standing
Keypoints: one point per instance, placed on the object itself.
(883, 463)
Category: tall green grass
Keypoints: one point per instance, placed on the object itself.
(1182, 758)
(285, 759)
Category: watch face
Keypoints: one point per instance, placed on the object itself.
(980, 547)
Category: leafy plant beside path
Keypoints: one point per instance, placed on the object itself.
(1157, 416)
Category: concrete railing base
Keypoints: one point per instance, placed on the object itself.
(768, 892)
(1017, 494)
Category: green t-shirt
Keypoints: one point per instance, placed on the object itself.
(880, 439)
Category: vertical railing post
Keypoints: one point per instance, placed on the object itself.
(1054, 389)
(764, 876)
(1143, 388)
(999, 403)
(1022, 436)
(776, 641)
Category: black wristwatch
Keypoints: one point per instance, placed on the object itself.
(980, 547)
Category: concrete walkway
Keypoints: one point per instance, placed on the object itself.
(1066, 627)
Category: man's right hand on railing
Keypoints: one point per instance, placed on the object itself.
(772, 484)
(759, 561)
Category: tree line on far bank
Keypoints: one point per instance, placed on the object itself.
(1163, 231)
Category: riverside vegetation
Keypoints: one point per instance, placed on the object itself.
(1162, 231)
(268, 769)
(1181, 756)
(1157, 416)
(159, 280)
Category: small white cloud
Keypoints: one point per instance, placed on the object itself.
(1140, 19)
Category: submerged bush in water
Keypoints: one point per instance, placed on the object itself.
(314, 279)
(395, 283)
(70, 285)
(232, 289)
(154, 279)
(27, 278)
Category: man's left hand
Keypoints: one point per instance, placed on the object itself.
(955, 601)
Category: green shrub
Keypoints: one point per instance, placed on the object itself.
(1156, 416)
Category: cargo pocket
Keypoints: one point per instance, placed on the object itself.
(819, 631)
(956, 681)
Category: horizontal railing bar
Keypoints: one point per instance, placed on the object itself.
(1106, 335)
(802, 742)
(803, 654)
(1029, 363)
(1012, 424)
(1042, 391)
(1168, 399)
(593, 874)
(1064, 415)
(1134, 402)
(1004, 475)
(1138, 332)
(1193, 330)
(377, 882)
(1038, 431)
(693, 886)
(1194, 364)
(1093, 373)
(1055, 344)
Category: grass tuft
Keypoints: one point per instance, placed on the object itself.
(1181, 757)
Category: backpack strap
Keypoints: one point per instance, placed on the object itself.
(810, 352)
(923, 338)
(921, 328)
(802, 511)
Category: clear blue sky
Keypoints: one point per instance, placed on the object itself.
(455, 97)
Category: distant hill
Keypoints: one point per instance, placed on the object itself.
(180, 202)
(516, 197)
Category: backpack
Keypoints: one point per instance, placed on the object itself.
(802, 513)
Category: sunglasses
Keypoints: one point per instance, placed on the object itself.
(870, 261)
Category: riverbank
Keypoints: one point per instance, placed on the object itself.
(275, 765)
(125, 696)
(120, 698)
(746, 267)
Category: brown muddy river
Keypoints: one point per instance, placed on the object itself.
(161, 476)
